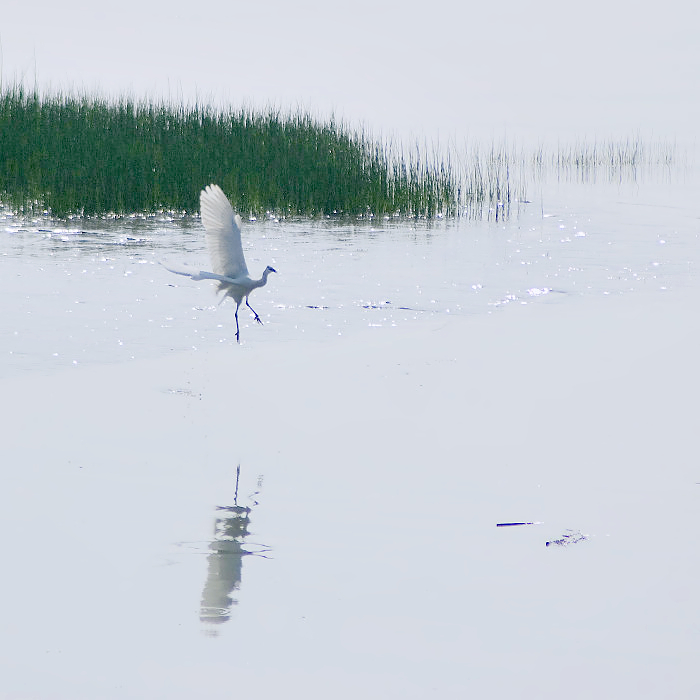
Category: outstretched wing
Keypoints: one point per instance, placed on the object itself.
(223, 228)
(199, 274)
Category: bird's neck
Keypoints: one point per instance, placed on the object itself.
(263, 280)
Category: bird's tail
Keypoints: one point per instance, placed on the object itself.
(221, 289)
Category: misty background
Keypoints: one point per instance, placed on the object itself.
(441, 71)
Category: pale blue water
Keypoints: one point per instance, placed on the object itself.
(92, 291)
(361, 557)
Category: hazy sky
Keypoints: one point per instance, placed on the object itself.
(528, 70)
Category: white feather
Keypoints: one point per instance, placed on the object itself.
(223, 236)
(223, 233)
(199, 274)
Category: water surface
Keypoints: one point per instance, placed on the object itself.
(317, 508)
(92, 290)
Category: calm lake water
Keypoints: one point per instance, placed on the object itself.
(413, 386)
(92, 291)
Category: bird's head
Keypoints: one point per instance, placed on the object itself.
(270, 269)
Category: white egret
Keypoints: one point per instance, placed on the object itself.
(223, 235)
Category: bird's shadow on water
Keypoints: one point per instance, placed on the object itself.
(225, 560)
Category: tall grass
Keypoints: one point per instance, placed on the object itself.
(494, 177)
(622, 160)
(91, 156)
(87, 155)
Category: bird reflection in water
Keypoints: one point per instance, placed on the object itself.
(225, 561)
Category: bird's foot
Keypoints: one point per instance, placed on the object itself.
(238, 337)
(257, 318)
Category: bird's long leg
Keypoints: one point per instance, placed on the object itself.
(257, 318)
(238, 332)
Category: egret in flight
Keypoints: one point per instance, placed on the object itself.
(223, 235)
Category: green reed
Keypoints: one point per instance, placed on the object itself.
(619, 160)
(86, 155)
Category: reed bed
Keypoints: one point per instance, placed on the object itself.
(85, 155)
(89, 156)
(621, 160)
